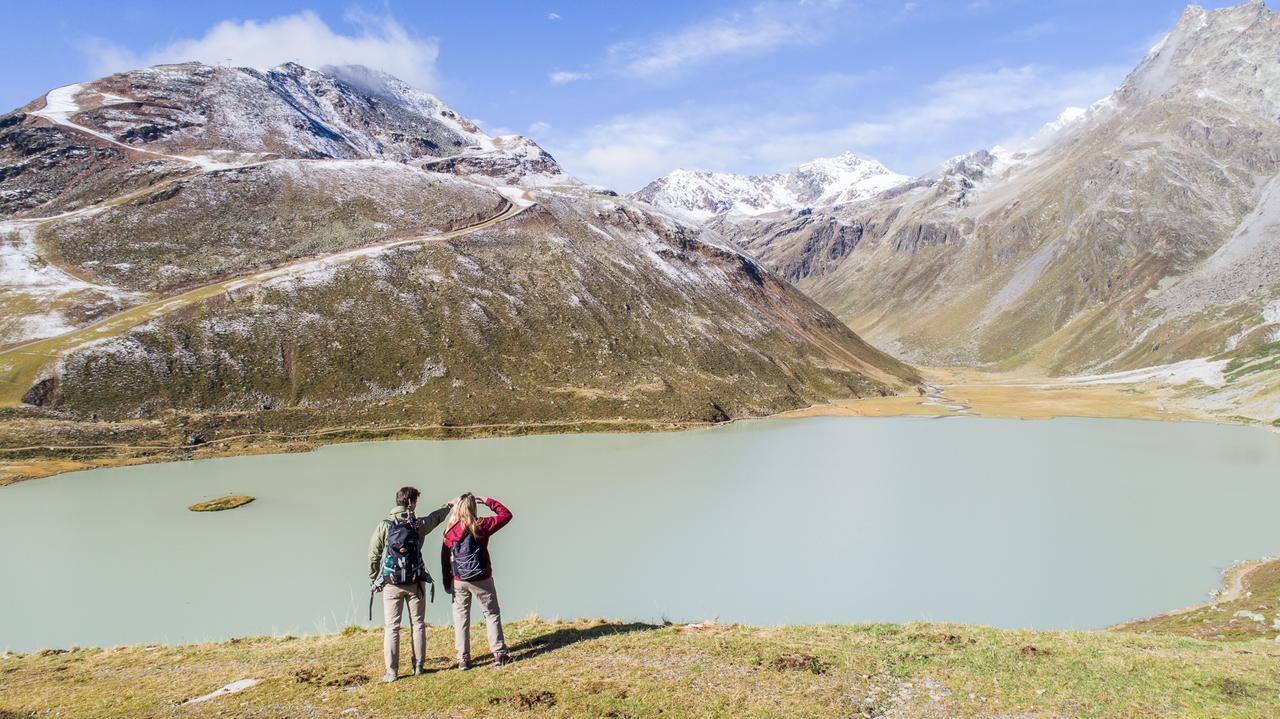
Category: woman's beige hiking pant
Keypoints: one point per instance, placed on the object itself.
(487, 596)
(394, 598)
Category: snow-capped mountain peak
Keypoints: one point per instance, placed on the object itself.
(824, 182)
(221, 117)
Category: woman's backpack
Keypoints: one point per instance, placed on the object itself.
(402, 559)
(467, 558)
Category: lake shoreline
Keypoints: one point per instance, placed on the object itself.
(1234, 580)
(1029, 400)
(65, 459)
(1235, 588)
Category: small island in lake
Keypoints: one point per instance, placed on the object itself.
(221, 503)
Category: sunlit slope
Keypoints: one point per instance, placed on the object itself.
(1142, 231)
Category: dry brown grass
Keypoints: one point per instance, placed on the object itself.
(1018, 396)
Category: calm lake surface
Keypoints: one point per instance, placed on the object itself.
(1069, 523)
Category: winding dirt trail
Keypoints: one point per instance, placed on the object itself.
(60, 104)
(21, 366)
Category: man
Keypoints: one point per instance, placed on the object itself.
(395, 551)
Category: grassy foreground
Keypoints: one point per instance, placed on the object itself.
(602, 669)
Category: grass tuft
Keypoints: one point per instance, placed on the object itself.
(799, 663)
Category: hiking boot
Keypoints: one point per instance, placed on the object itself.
(501, 659)
(389, 677)
(464, 663)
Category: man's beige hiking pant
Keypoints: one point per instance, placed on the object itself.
(487, 596)
(394, 598)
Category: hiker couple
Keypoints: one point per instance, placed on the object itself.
(397, 569)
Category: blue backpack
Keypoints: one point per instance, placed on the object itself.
(467, 558)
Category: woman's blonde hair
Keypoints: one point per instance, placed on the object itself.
(464, 512)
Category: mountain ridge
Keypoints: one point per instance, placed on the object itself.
(369, 257)
(1138, 232)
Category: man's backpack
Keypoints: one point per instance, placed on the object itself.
(402, 558)
(467, 558)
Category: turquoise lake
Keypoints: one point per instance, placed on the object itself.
(1067, 523)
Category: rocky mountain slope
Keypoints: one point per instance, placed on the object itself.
(1140, 232)
(296, 248)
(823, 182)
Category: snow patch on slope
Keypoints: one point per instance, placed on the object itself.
(22, 269)
(381, 85)
(1202, 370)
(26, 279)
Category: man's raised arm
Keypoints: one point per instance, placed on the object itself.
(433, 520)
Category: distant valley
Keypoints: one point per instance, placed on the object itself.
(1142, 231)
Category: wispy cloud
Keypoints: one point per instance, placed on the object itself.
(553, 16)
(765, 27)
(377, 41)
(564, 78)
(1035, 31)
(629, 150)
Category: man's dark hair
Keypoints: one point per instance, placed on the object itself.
(406, 496)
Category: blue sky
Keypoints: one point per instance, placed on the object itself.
(623, 92)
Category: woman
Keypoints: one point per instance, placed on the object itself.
(468, 573)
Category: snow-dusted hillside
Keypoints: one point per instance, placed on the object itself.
(179, 117)
(823, 182)
(293, 248)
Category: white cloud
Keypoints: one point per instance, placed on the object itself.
(767, 26)
(553, 16)
(379, 42)
(539, 128)
(957, 113)
(564, 78)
